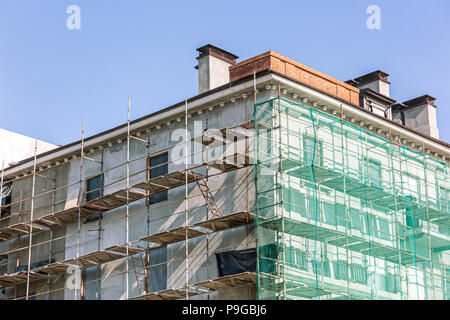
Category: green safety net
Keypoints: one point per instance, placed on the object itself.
(342, 213)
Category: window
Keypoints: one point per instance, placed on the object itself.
(158, 269)
(94, 188)
(301, 259)
(444, 199)
(321, 268)
(374, 172)
(158, 167)
(340, 270)
(392, 283)
(411, 187)
(6, 198)
(358, 273)
(312, 151)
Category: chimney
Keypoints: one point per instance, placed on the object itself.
(213, 67)
(420, 114)
(376, 81)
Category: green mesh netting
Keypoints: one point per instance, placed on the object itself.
(342, 213)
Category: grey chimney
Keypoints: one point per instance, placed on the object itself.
(213, 67)
(420, 114)
(376, 81)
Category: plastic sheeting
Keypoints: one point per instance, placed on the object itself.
(233, 262)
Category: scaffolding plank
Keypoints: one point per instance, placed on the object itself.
(95, 258)
(338, 238)
(123, 250)
(172, 236)
(313, 173)
(228, 221)
(65, 216)
(170, 294)
(235, 280)
(169, 181)
(114, 200)
(9, 280)
(53, 268)
(211, 139)
(230, 162)
(18, 229)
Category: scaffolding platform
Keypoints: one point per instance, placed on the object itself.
(235, 280)
(172, 236)
(313, 173)
(65, 216)
(171, 294)
(53, 268)
(168, 181)
(217, 138)
(13, 279)
(114, 200)
(228, 221)
(272, 284)
(95, 258)
(18, 229)
(231, 162)
(340, 239)
(123, 250)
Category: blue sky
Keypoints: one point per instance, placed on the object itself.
(51, 77)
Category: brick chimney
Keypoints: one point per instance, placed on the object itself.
(213, 67)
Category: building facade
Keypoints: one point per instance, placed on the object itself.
(275, 182)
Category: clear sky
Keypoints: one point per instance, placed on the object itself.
(51, 77)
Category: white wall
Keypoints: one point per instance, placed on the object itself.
(15, 147)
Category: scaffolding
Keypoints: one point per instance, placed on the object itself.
(342, 213)
(35, 219)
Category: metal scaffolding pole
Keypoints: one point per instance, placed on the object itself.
(31, 219)
(80, 200)
(127, 206)
(1, 188)
(186, 207)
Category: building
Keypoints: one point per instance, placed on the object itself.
(276, 181)
(15, 147)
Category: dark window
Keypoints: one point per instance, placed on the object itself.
(312, 150)
(6, 198)
(158, 167)
(158, 269)
(94, 188)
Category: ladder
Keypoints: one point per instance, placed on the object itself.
(207, 195)
(140, 276)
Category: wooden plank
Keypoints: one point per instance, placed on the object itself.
(228, 221)
(18, 229)
(235, 280)
(172, 236)
(53, 268)
(95, 258)
(170, 294)
(123, 250)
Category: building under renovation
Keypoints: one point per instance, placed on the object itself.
(276, 181)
